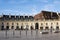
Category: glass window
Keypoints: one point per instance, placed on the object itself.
(41, 23)
(57, 23)
(7, 23)
(12, 23)
(46, 23)
(51, 23)
(17, 23)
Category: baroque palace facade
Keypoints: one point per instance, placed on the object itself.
(43, 21)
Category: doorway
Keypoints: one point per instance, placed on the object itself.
(36, 25)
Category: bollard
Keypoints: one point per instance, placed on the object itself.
(6, 34)
(36, 31)
(20, 33)
(13, 33)
(31, 33)
(26, 32)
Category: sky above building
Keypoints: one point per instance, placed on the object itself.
(28, 7)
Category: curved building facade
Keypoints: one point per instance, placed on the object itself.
(43, 21)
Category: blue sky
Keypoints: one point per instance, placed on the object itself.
(28, 7)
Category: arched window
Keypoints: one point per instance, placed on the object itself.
(36, 25)
(51, 23)
(12, 23)
(41, 23)
(57, 23)
(17, 23)
(27, 27)
(46, 23)
(12, 27)
(7, 23)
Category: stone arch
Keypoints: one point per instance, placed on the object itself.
(46, 28)
(17, 27)
(12, 27)
(7, 27)
(57, 27)
(2, 27)
(22, 28)
(41, 28)
(31, 28)
(36, 26)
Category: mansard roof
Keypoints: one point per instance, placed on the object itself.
(15, 17)
(46, 15)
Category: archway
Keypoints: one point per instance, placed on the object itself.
(22, 28)
(46, 28)
(7, 27)
(17, 27)
(41, 28)
(2, 27)
(57, 27)
(31, 28)
(27, 27)
(12, 27)
(36, 25)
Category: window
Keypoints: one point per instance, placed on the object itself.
(7, 23)
(2, 23)
(51, 23)
(12, 27)
(46, 27)
(41, 23)
(41, 28)
(57, 27)
(12, 23)
(57, 23)
(17, 23)
(46, 23)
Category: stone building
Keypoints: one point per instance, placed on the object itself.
(43, 21)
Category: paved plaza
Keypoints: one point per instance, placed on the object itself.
(27, 35)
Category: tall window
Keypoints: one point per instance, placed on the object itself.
(12, 23)
(17, 23)
(12, 27)
(41, 23)
(7, 23)
(46, 23)
(51, 23)
(57, 23)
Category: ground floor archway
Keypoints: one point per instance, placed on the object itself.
(41, 28)
(46, 28)
(22, 28)
(17, 28)
(31, 28)
(36, 26)
(12, 27)
(57, 27)
(2, 27)
(7, 27)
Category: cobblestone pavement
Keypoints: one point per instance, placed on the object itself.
(28, 35)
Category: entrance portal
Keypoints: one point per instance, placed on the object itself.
(41, 28)
(7, 27)
(2, 27)
(57, 27)
(36, 26)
